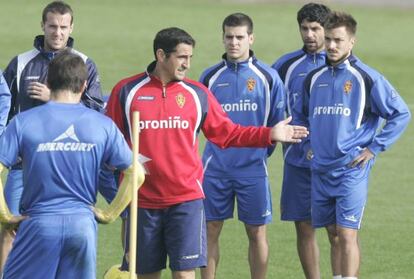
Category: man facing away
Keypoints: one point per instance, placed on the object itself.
(26, 76)
(345, 102)
(173, 111)
(61, 161)
(252, 94)
(295, 202)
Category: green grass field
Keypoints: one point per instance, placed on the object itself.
(118, 36)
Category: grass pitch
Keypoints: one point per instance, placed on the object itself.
(118, 37)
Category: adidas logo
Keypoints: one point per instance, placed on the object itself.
(58, 145)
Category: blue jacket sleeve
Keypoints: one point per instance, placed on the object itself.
(300, 113)
(92, 97)
(202, 78)
(277, 102)
(107, 185)
(12, 140)
(277, 106)
(278, 63)
(9, 75)
(388, 104)
(5, 102)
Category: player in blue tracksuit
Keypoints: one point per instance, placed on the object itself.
(295, 201)
(345, 102)
(29, 69)
(252, 94)
(61, 161)
(26, 77)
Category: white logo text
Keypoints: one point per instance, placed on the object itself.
(173, 122)
(337, 109)
(242, 105)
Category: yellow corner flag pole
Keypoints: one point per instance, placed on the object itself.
(134, 202)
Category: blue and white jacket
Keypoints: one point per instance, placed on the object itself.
(345, 105)
(252, 94)
(33, 66)
(293, 68)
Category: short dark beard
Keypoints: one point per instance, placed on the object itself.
(339, 61)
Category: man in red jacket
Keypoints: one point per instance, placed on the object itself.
(173, 110)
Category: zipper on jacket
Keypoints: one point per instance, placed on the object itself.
(237, 79)
(164, 92)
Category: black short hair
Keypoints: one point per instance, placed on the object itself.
(167, 39)
(339, 19)
(57, 7)
(238, 19)
(67, 71)
(313, 12)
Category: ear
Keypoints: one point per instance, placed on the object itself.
(71, 28)
(251, 39)
(83, 88)
(160, 55)
(42, 25)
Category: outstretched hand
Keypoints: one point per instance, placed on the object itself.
(283, 132)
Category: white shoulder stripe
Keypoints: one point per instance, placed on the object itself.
(287, 79)
(267, 87)
(83, 56)
(22, 60)
(130, 98)
(292, 67)
(315, 77)
(215, 76)
(362, 100)
(198, 107)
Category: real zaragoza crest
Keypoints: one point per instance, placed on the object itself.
(180, 99)
(251, 83)
(347, 87)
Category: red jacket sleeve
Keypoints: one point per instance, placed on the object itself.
(219, 129)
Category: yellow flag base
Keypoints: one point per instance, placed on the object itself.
(115, 273)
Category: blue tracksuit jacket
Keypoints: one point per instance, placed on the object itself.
(293, 68)
(252, 94)
(33, 66)
(345, 105)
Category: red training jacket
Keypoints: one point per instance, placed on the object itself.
(170, 119)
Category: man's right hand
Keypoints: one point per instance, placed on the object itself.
(38, 91)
